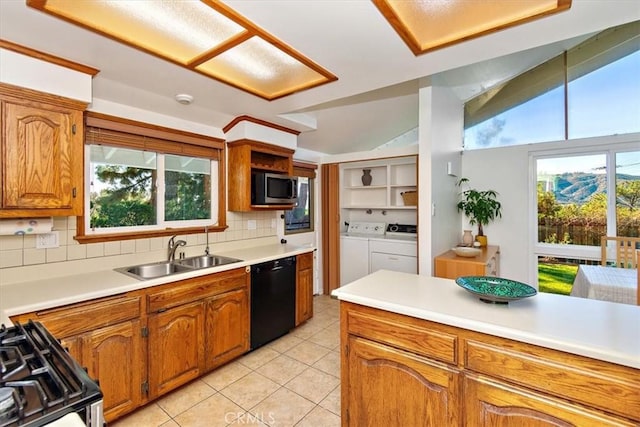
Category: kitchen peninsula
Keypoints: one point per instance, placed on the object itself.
(421, 350)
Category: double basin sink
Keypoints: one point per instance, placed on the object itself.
(166, 268)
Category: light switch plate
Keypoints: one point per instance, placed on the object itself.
(251, 224)
(48, 240)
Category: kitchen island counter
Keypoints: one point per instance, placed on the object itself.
(597, 329)
(58, 290)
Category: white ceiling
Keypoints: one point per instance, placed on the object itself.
(375, 98)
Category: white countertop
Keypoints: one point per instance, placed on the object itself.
(35, 295)
(597, 329)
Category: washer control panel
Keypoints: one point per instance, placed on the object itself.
(369, 228)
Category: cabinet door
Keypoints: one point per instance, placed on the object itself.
(114, 356)
(73, 346)
(227, 327)
(390, 387)
(42, 162)
(304, 288)
(492, 403)
(176, 347)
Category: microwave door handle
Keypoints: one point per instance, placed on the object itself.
(292, 188)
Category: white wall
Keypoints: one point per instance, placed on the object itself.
(504, 170)
(28, 72)
(440, 137)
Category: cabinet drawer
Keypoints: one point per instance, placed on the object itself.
(74, 319)
(611, 388)
(398, 331)
(198, 288)
(305, 261)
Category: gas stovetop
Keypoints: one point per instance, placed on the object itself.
(39, 381)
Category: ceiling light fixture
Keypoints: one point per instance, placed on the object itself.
(184, 98)
(428, 25)
(204, 36)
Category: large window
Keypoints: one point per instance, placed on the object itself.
(143, 180)
(130, 189)
(582, 197)
(590, 90)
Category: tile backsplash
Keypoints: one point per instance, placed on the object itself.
(21, 251)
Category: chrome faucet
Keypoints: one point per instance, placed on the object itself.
(173, 245)
(206, 232)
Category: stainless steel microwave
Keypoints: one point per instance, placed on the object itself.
(273, 189)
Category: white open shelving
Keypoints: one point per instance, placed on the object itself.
(390, 178)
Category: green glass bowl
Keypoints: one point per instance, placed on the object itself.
(495, 290)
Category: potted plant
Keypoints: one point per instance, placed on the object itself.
(481, 207)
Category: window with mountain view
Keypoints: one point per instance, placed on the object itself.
(581, 198)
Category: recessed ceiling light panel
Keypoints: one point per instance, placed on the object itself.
(259, 65)
(204, 36)
(427, 25)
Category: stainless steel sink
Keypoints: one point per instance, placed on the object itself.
(167, 268)
(153, 270)
(205, 261)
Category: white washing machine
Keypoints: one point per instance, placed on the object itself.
(354, 249)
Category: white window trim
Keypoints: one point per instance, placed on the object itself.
(595, 145)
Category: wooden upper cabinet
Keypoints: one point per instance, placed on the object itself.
(246, 156)
(41, 154)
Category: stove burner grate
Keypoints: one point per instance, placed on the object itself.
(39, 381)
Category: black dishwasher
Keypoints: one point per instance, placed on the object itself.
(273, 300)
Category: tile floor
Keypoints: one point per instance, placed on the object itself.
(292, 381)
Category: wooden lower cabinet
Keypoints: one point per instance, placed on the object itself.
(227, 327)
(113, 354)
(143, 344)
(105, 336)
(490, 403)
(304, 287)
(400, 370)
(176, 344)
(391, 387)
(451, 266)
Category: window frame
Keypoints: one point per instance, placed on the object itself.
(608, 145)
(102, 129)
(307, 170)
(562, 71)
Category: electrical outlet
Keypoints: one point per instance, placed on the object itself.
(251, 224)
(48, 240)
(273, 223)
